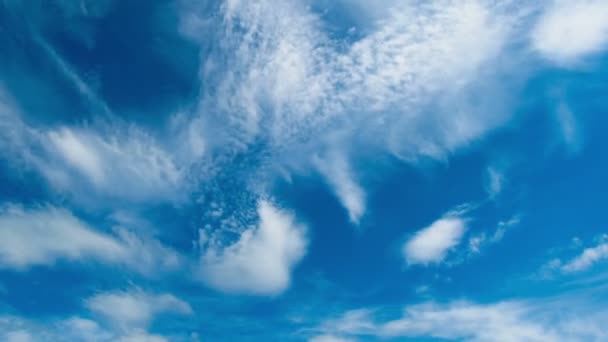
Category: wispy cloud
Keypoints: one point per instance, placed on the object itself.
(124, 317)
(135, 309)
(45, 235)
(587, 258)
(334, 167)
(513, 320)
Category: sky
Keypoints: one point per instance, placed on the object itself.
(303, 170)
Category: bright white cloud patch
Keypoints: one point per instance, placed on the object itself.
(261, 261)
(570, 30)
(135, 309)
(45, 235)
(431, 244)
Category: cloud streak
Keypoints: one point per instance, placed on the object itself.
(46, 235)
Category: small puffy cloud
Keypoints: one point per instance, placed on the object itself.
(45, 235)
(261, 261)
(570, 30)
(431, 244)
(135, 309)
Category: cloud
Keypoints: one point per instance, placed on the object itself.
(46, 234)
(570, 30)
(334, 167)
(262, 259)
(495, 182)
(329, 338)
(431, 244)
(135, 308)
(541, 320)
(477, 242)
(587, 258)
(127, 314)
(103, 162)
(569, 128)
(284, 87)
(126, 166)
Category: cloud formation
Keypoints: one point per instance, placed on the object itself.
(45, 235)
(432, 244)
(587, 258)
(531, 321)
(570, 30)
(262, 259)
(135, 308)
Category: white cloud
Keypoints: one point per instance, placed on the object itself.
(336, 170)
(530, 321)
(431, 244)
(128, 165)
(261, 261)
(42, 236)
(135, 309)
(587, 258)
(330, 338)
(570, 30)
(282, 79)
(45, 235)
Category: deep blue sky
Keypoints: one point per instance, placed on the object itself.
(306, 170)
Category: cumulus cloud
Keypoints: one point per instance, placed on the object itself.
(135, 309)
(431, 244)
(570, 30)
(46, 234)
(262, 259)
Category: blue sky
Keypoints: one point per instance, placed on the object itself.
(306, 170)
